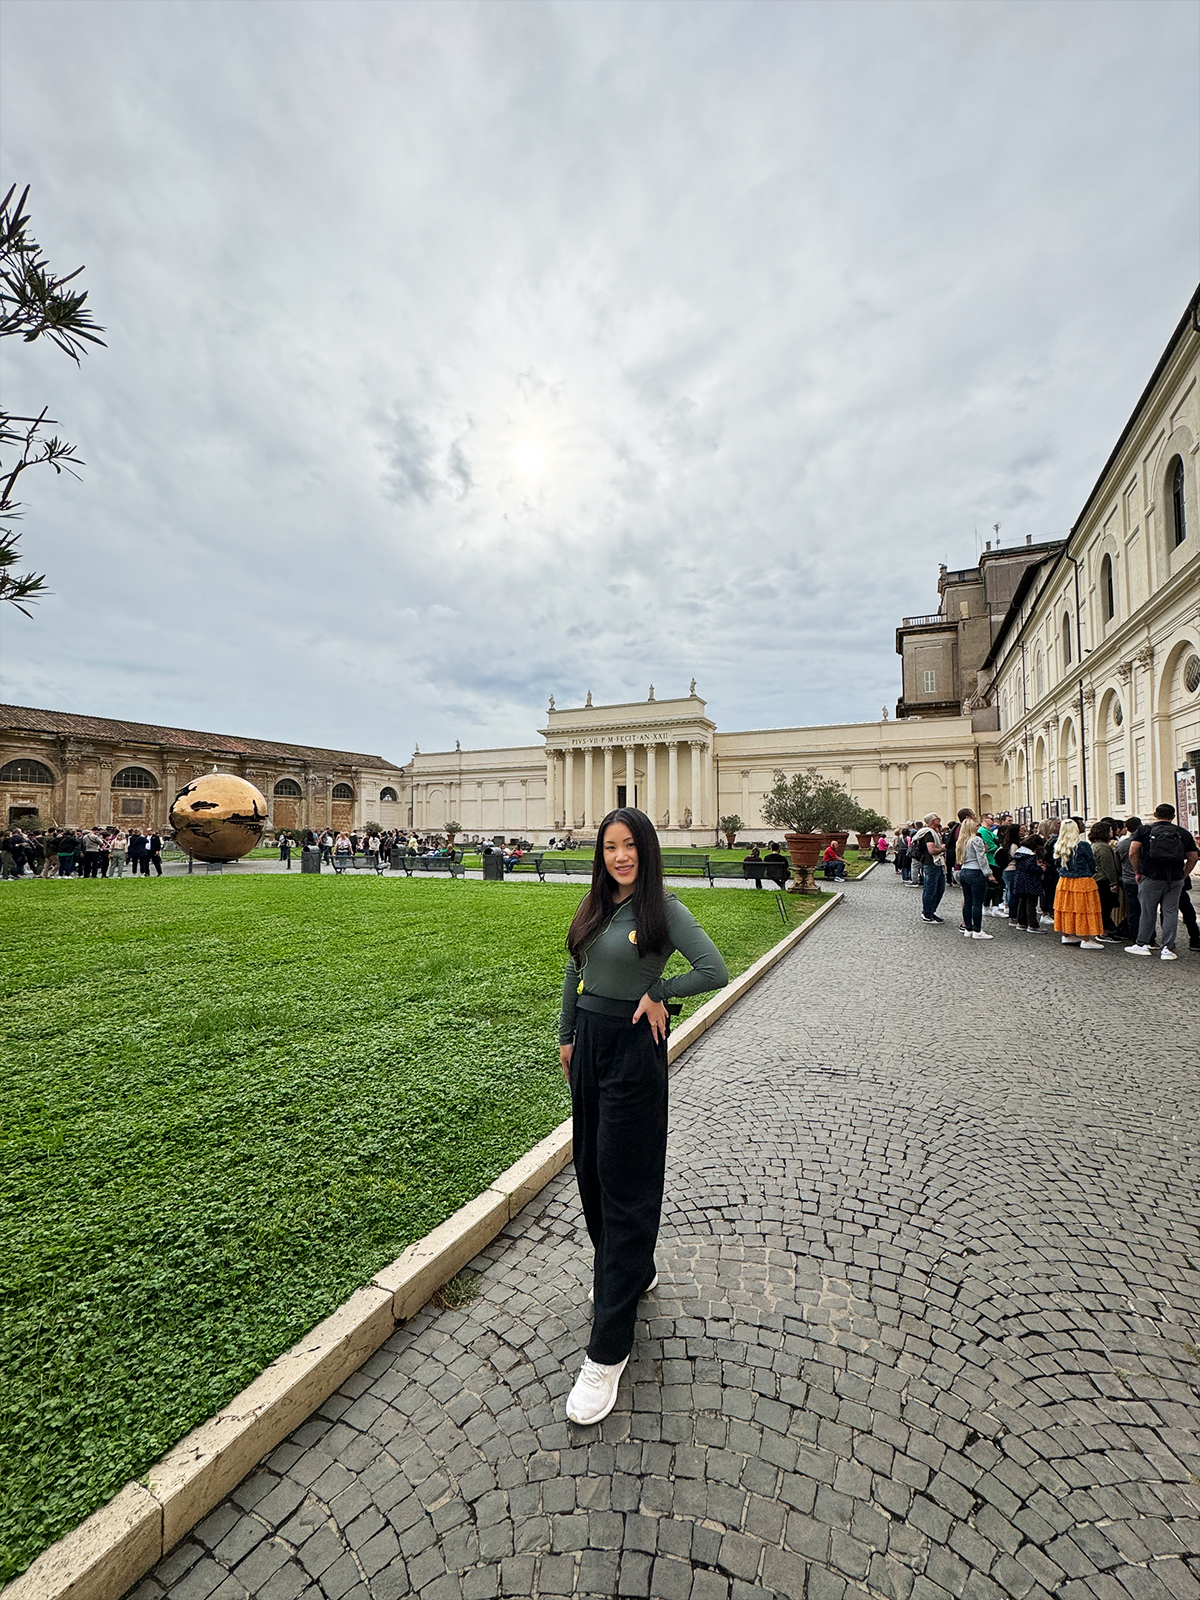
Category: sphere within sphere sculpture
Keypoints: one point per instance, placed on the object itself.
(219, 817)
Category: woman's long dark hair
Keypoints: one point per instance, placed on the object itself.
(649, 897)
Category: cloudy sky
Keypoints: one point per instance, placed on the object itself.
(461, 354)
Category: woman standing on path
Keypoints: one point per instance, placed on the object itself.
(613, 1045)
(974, 874)
(1077, 914)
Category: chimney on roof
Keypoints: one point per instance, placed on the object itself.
(989, 544)
(1028, 538)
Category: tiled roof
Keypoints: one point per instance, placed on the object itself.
(26, 719)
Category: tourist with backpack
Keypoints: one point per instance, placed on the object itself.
(928, 853)
(1162, 855)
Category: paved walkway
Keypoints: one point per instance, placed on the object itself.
(927, 1323)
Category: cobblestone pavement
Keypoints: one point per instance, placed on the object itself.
(927, 1323)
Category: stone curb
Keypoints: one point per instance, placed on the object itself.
(105, 1556)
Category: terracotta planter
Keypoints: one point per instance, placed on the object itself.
(839, 839)
(804, 848)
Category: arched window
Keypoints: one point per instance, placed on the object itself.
(1041, 674)
(343, 791)
(25, 772)
(288, 789)
(1066, 639)
(134, 778)
(388, 794)
(1178, 508)
(1108, 596)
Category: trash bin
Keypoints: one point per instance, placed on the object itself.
(310, 859)
(493, 867)
(397, 860)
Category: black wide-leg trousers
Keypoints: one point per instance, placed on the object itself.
(619, 1112)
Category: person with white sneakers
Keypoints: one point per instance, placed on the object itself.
(1077, 913)
(974, 874)
(1163, 856)
(613, 1046)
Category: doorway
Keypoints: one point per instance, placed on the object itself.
(622, 791)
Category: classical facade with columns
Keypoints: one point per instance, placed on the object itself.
(668, 758)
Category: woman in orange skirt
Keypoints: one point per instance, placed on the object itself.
(1077, 913)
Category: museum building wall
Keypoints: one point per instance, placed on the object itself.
(1095, 672)
(668, 758)
(83, 771)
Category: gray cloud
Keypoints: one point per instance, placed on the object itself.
(794, 299)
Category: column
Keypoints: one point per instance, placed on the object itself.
(550, 816)
(630, 776)
(609, 801)
(712, 799)
(652, 783)
(903, 765)
(673, 783)
(71, 764)
(697, 783)
(745, 811)
(589, 807)
(885, 793)
(104, 814)
(952, 786)
(569, 788)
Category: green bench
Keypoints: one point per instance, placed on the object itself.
(685, 863)
(453, 864)
(531, 861)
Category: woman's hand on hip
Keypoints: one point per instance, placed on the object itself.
(655, 1013)
(564, 1055)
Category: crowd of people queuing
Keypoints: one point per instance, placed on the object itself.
(79, 853)
(1109, 883)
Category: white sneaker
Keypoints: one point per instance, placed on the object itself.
(981, 936)
(1091, 944)
(1137, 949)
(595, 1391)
(1168, 955)
(1067, 940)
(1047, 922)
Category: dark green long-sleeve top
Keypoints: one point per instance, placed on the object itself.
(611, 966)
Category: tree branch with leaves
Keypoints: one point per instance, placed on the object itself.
(35, 303)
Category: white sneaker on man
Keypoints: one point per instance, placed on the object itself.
(1137, 949)
(595, 1391)
(981, 936)
(1168, 955)
(1091, 944)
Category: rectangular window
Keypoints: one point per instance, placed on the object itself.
(929, 683)
(1120, 788)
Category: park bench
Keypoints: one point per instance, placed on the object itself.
(685, 863)
(734, 869)
(531, 861)
(453, 864)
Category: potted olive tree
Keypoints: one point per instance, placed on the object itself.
(792, 805)
(729, 827)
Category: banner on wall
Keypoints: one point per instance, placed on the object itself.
(1187, 809)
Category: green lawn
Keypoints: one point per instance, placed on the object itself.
(225, 1103)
